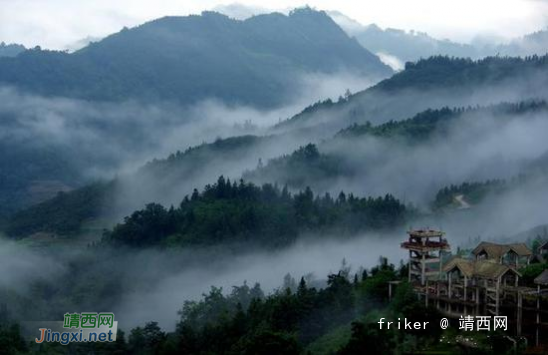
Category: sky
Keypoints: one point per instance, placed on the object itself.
(61, 24)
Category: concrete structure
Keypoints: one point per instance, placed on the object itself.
(425, 254)
(486, 284)
(541, 254)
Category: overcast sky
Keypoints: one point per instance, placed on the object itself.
(61, 23)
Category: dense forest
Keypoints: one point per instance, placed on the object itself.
(18, 182)
(438, 122)
(312, 165)
(295, 318)
(449, 79)
(320, 165)
(10, 50)
(462, 72)
(300, 168)
(471, 193)
(240, 212)
(188, 59)
(145, 175)
(339, 317)
(64, 214)
(182, 163)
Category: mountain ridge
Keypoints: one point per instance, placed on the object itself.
(188, 59)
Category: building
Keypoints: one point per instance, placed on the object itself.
(425, 254)
(508, 254)
(541, 254)
(485, 284)
(476, 285)
(541, 281)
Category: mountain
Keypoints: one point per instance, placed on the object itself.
(410, 46)
(531, 44)
(338, 130)
(338, 161)
(245, 213)
(329, 166)
(397, 46)
(146, 79)
(188, 59)
(427, 84)
(10, 50)
(164, 181)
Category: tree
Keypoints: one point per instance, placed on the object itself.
(368, 337)
(267, 342)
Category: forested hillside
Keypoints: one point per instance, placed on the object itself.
(429, 84)
(410, 46)
(319, 166)
(227, 212)
(226, 186)
(323, 165)
(188, 59)
(10, 50)
(298, 318)
(150, 90)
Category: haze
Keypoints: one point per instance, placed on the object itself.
(63, 24)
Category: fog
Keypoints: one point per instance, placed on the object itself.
(153, 285)
(84, 141)
(392, 61)
(477, 146)
(57, 24)
(309, 258)
(105, 140)
(499, 218)
(377, 106)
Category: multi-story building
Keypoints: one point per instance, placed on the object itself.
(485, 284)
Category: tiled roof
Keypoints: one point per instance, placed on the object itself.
(480, 268)
(542, 279)
(496, 251)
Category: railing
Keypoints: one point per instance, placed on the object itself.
(408, 245)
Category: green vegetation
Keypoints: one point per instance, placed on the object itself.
(449, 72)
(410, 46)
(188, 59)
(415, 129)
(63, 214)
(299, 169)
(183, 163)
(25, 166)
(10, 50)
(530, 272)
(430, 123)
(11, 341)
(243, 212)
(309, 317)
(338, 315)
(394, 98)
(471, 192)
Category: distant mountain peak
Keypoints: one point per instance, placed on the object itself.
(214, 15)
(11, 49)
(188, 59)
